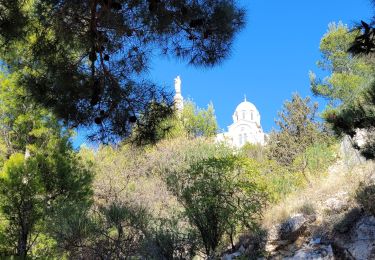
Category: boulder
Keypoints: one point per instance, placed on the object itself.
(286, 233)
(361, 244)
(336, 204)
(293, 227)
(313, 252)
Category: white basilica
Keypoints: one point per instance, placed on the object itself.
(246, 126)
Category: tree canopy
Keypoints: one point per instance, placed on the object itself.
(40, 172)
(348, 74)
(358, 114)
(298, 127)
(85, 60)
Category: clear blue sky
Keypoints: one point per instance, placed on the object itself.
(270, 60)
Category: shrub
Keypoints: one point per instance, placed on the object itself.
(218, 195)
(279, 180)
(307, 208)
(365, 196)
(115, 231)
(254, 151)
(316, 159)
(170, 239)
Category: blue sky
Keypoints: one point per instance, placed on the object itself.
(270, 60)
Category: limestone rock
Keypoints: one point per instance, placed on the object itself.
(293, 227)
(337, 203)
(361, 244)
(286, 233)
(313, 252)
(231, 256)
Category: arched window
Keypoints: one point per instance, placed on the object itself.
(240, 139)
(243, 114)
(245, 137)
(252, 118)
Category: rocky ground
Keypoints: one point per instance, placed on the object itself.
(337, 228)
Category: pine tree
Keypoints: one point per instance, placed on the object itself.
(359, 114)
(86, 60)
(298, 129)
(40, 171)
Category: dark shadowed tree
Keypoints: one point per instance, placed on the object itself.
(86, 60)
(191, 122)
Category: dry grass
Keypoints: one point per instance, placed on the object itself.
(341, 182)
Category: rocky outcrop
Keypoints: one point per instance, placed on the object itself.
(287, 232)
(337, 228)
(359, 242)
(293, 240)
(336, 204)
(313, 251)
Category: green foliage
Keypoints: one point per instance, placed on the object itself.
(42, 172)
(347, 74)
(298, 129)
(348, 59)
(20, 185)
(31, 189)
(255, 151)
(12, 20)
(365, 196)
(357, 115)
(199, 122)
(115, 231)
(279, 180)
(171, 240)
(86, 60)
(316, 159)
(218, 195)
(192, 122)
(157, 122)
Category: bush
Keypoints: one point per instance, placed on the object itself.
(115, 231)
(170, 239)
(316, 159)
(254, 151)
(277, 180)
(219, 195)
(365, 196)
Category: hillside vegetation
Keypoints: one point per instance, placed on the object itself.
(157, 184)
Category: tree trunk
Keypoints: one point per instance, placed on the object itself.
(22, 242)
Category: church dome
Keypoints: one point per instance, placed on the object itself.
(246, 106)
(246, 111)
